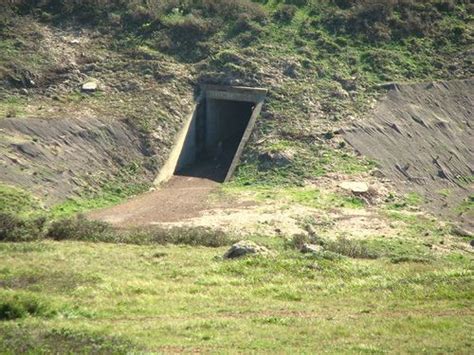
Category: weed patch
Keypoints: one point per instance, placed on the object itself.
(17, 229)
(19, 305)
(79, 228)
(350, 248)
(61, 340)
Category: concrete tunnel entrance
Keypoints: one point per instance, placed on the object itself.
(220, 127)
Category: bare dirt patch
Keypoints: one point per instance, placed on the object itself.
(422, 137)
(57, 158)
(181, 198)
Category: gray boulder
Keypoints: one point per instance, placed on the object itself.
(243, 248)
(276, 159)
(356, 187)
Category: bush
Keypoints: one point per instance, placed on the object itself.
(245, 23)
(15, 306)
(17, 229)
(298, 240)
(409, 259)
(350, 248)
(196, 236)
(387, 20)
(80, 228)
(229, 9)
(285, 13)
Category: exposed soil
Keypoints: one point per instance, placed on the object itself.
(59, 142)
(55, 158)
(181, 198)
(421, 136)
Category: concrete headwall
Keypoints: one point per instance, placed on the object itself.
(224, 114)
(168, 169)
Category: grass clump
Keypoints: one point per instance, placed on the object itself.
(299, 240)
(62, 340)
(197, 236)
(334, 249)
(79, 228)
(15, 305)
(350, 248)
(16, 201)
(17, 229)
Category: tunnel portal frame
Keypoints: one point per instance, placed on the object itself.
(237, 93)
(252, 95)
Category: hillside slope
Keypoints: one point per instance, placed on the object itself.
(321, 62)
(422, 137)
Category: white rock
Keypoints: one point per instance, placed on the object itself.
(355, 186)
(311, 248)
(90, 86)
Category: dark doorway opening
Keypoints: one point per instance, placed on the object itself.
(213, 138)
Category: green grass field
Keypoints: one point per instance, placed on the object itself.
(83, 297)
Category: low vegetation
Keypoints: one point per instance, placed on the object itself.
(78, 228)
(193, 299)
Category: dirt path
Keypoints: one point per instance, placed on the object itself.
(181, 198)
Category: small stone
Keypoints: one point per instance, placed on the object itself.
(341, 93)
(276, 159)
(75, 41)
(90, 86)
(311, 248)
(243, 248)
(377, 173)
(357, 187)
(24, 91)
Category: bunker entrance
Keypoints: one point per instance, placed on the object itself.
(219, 129)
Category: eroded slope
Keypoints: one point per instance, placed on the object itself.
(422, 137)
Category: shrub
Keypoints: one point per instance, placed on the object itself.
(195, 236)
(190, 28)
(409, 259)
(350, 248)
(80, 228)
(18, 305)
(230, 9)
(298, 3)
(387, 20)
(17, 229)
(245, 23)
(298, 240)
(285, 13)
